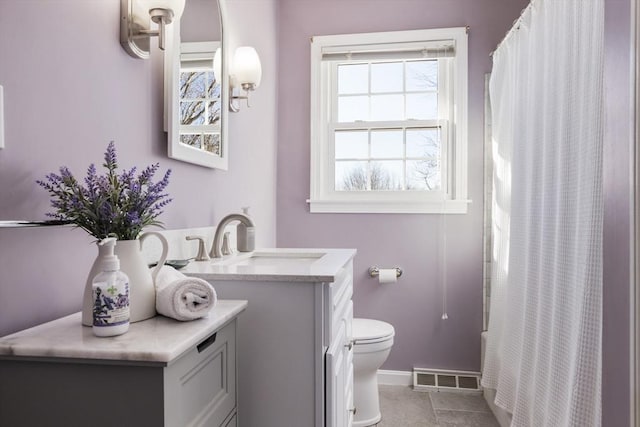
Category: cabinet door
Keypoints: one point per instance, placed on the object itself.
(200, 386)
(336, 380)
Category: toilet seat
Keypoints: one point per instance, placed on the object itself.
(369, 331)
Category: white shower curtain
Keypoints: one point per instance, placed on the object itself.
(543, 351)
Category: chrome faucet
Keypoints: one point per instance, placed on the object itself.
(245, 235)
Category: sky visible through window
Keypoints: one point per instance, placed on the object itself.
(399, 157)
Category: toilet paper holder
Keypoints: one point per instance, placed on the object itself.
(375, 271)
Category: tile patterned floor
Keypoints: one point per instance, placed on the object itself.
(403, 407)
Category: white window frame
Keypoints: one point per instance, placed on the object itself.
(453, 197)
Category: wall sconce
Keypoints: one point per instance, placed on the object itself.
(247, 73)
(135, 23)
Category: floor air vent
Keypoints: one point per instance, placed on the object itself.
(435, 379)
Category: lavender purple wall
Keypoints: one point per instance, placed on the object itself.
(69, 89)
(414, 304)
(618, 154)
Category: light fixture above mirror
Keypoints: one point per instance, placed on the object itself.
(135, 23)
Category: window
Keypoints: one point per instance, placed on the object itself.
(388, 122)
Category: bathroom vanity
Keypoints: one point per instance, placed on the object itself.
(295, 356)
(162, 372)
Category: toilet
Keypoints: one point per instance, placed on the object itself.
(372, 341)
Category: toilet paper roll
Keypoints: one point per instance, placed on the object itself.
(387, 275)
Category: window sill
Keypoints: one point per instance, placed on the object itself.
(380, 206)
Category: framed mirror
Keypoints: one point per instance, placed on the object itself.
(196, 86)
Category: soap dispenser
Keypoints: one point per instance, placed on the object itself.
(245, 235)
(110, 295)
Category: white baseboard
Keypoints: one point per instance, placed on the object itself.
(395, 377)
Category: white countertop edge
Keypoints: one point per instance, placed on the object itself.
(67, 338)
(262, 277)
(325, 269)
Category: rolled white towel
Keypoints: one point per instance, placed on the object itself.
(181, 297)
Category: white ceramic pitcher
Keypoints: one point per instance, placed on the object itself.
(142, 297)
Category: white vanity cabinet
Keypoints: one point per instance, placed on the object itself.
(295, 357)
(160, 373)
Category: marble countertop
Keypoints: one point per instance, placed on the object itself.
(275, 264)
(158, 339)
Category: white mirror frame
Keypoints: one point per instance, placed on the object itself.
(176, 150)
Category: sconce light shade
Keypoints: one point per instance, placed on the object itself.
(135, 23)
(246, 68)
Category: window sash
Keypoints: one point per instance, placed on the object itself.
(441, 125)
(445, 108)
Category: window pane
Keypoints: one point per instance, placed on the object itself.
(422, 75)
(422, 106)
(386, 77)
(352, 145)
(192, 113)
(386, 175)
(386, 144)
(423, 174)
(212, 143)
(214, 112)
(351, 176)
(387, 107)
(352, 108)
(353, 79)
(214, 87)
(193, 85)
(423, 143)
(190, 139)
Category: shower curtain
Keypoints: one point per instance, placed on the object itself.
(543, 353)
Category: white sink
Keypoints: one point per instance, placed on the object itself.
(271, 258)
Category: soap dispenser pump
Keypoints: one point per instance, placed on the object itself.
(110, 287)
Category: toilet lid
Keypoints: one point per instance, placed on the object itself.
(368, 330)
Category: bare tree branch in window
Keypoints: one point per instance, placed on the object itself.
(357, 179)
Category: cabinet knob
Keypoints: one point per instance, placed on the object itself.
(353, 410)
(349, 345)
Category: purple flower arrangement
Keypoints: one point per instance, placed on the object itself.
(112, 205)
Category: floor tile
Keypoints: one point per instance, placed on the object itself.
(402, 407)
(448, 418)
(459, 401)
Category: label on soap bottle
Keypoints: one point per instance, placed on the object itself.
(110, 304)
